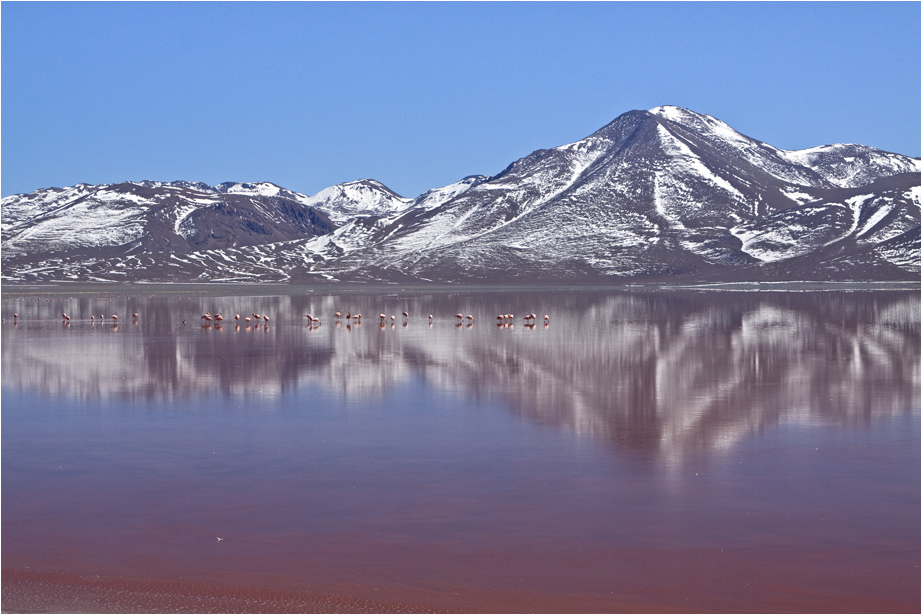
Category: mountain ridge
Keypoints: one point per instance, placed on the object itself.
(653, 195)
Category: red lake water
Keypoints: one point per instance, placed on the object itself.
(641, 451)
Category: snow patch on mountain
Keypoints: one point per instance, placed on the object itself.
(88, 224)
(793, 232)
(438, 196)
(183, 225)
(704, 123)
(261, 189)
(687, 163)
(19, 208)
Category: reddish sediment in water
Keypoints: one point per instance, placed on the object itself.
(27, 591)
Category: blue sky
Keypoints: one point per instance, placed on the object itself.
(419, 95)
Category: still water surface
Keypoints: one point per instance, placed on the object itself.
(643, 451)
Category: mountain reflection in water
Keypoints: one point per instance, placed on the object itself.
(659, 374)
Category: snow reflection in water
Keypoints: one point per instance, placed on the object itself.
(653, 373)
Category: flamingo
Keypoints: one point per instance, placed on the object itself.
(207, 317)
(460, 317)
(65, 316)
(216, 317)
(338, 314)
(547, 319)
(405, 315)
(348, 315)
(247, 319)
(357, 318)
(266, 318)
(309, 318)
(115, 318)
(430, 319)
(470, 318)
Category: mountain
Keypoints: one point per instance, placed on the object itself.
(73, 232)
(658, 195)
(359, 198)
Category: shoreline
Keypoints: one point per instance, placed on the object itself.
(30, 591)
(233, 289)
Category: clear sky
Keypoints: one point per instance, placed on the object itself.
(419, 95)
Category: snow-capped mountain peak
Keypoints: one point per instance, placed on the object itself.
(358, 198)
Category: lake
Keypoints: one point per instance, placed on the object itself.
(638, 451)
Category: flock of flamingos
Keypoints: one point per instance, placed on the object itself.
(313, 321)
(502, 320)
